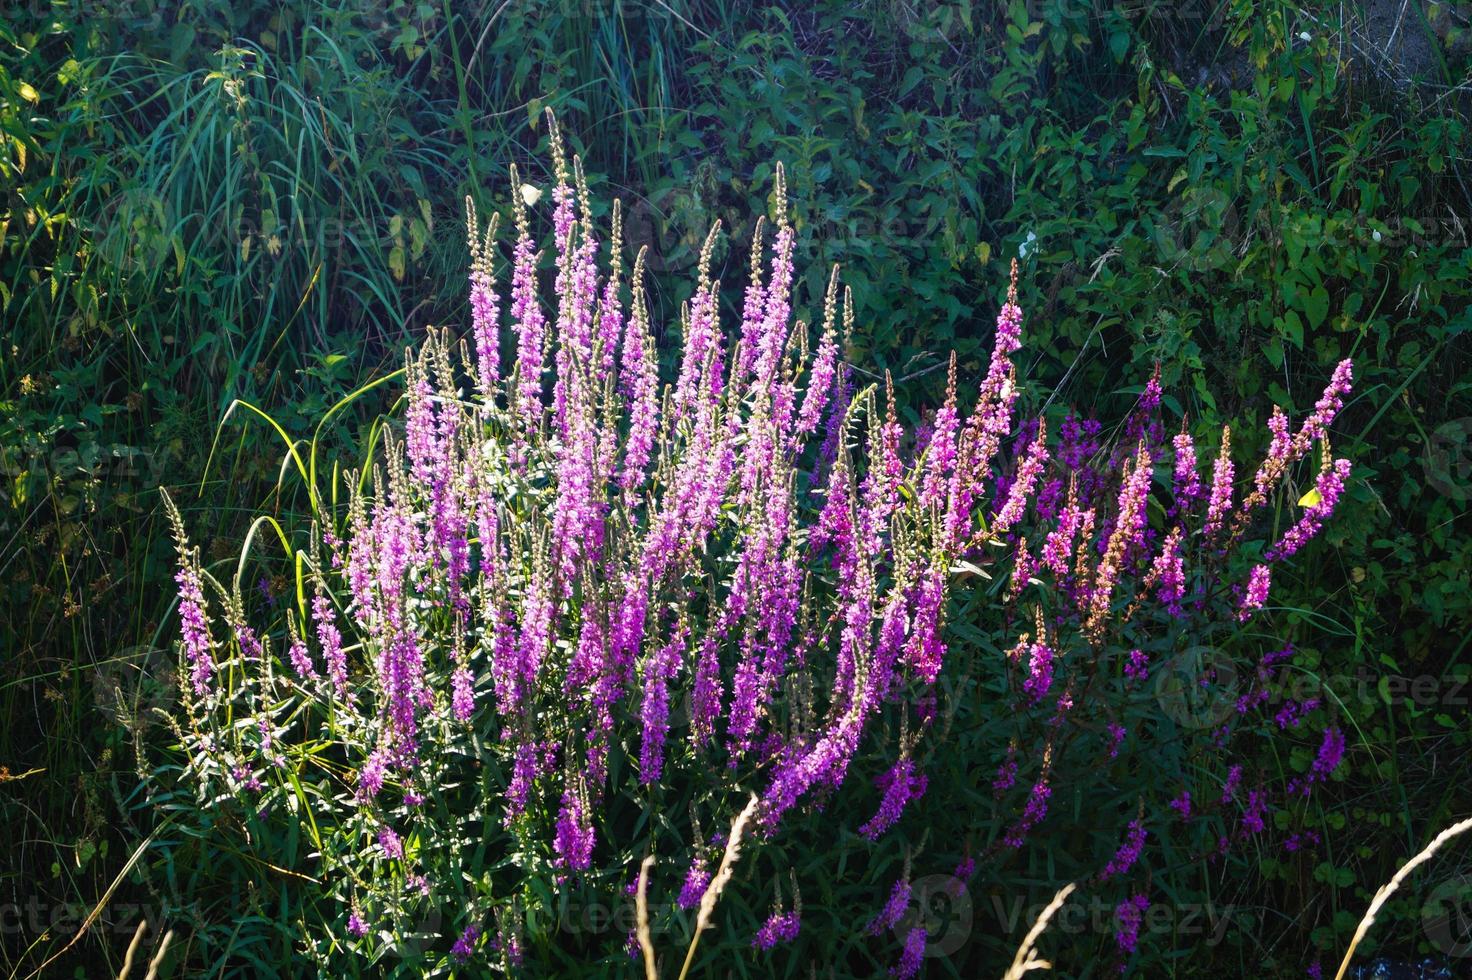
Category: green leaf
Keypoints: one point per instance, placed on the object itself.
(1119, 44)
(1290, 328)
(1316, 307)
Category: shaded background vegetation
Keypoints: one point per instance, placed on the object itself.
(206, 202)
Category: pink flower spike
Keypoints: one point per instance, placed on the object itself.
(1256, 593)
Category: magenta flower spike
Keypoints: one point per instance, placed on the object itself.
(1327, 488)
(1220, 501)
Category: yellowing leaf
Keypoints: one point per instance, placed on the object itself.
(28, 93)
(1310, 499)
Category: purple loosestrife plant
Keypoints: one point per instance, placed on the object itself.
(1128, 916)
(194, 627)
(571, 594)
(900, 785)
(912, 955)
(780, 927)
(893, 909)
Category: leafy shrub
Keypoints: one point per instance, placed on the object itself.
(185, 213)
(465, 712)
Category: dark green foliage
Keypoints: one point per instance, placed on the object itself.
(205, 202)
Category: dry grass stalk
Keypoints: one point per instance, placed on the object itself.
(1027, 958)
(646, 942)
(133, 949)
(1388, 889)
(718, 883)
(158, 956)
